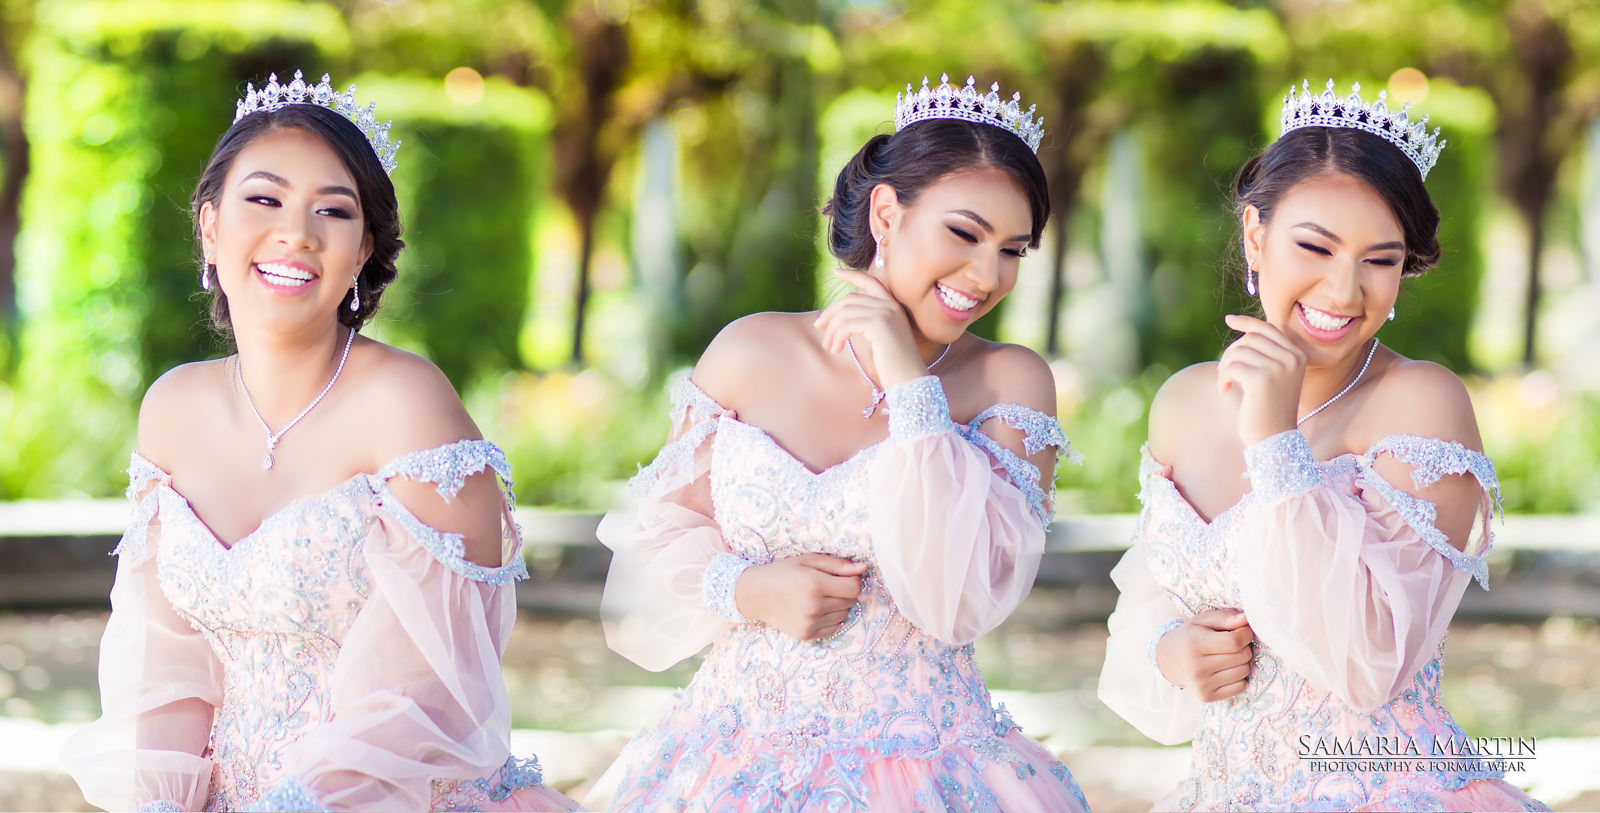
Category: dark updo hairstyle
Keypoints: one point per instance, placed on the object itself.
(1313, 152)
(911, 160)
(378, 204)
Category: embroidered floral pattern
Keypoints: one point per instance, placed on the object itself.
(1246, 752)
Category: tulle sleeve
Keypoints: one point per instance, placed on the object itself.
(1355, 591)
(1130, 682)
(670, 566)
(417, 689)
(159, 682)
(957, 520)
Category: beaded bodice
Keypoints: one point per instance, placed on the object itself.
(277, 605)
(1251, 751)
(850, 690)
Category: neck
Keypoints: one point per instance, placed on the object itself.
(1322, 383)
(283, 372)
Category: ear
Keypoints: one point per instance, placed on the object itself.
(883, 209)
(1254, 231)
(208, 229)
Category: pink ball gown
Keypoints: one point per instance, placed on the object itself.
(890, 713)
(342, 656)
(1349, 589)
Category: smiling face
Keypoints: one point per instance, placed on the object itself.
(287, 232)
(953, 254)
(1329, 264)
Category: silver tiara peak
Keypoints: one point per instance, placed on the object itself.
(968, 104)
(1329, 110)
(273, 96)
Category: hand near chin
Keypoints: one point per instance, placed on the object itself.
(1268, 370)
(876, 325)
(1209, 655)
(806, 597)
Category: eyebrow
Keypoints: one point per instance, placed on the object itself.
(1392, 244)
(977, 218)
(284, 182)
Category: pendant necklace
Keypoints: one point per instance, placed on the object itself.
(274, 437)
(877, 394)
(1362, 372)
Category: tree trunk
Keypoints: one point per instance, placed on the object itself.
(14, 165)
(581, 299)
(1530, 324)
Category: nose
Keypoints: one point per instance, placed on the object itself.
(984, 272)
(1343, 285)
(297, 229)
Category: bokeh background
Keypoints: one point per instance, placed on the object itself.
(592, 188)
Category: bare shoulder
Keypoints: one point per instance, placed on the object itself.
(1009, 374)
(1418, 398)
(1186, 402)
(169, 406)
(407, 402)
(746, 351)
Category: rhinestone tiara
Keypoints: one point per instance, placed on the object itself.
(967, 104)
(1328, 110)
(273, 96)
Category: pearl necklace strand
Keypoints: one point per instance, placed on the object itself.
(274, 437)
(1329, 402)
(877, 394)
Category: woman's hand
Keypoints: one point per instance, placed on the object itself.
(805, 597)
(1269, 370)
(1210, 654)
(876, 325)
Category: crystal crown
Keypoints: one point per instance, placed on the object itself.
(968, 104)
(1329, 110)
(273, 96)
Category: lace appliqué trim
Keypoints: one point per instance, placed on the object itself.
(689, 402)
(287, 795)
(1039, 431)
(717, 585)
(141, 474)
(159, 806)
(1432, 459)
(449, 466)
(448, 548)
(1281, 466)
(511, 777)
(918, 407)
(1155, 638)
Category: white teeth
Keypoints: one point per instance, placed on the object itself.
(1323, 321)
(956, 299)
(287, 276)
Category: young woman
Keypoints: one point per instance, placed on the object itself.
(1315, 505)
(313, 595)
(848, 500)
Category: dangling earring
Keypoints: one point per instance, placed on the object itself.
(1250, 277)
(877, 255)
(355, 294)
(205, 273)
(1391, 314)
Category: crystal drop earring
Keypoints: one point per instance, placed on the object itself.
(1250, 277)
(877, 254)
(355, 294)
(206, 269)
(1391, 314)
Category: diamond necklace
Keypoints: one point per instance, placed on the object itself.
(877, 394)
(1347, 387)
(273, 437)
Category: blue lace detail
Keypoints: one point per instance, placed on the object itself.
(288, 795)
(449, 466)
(1432, 459)
(1155, 638)
(1039, 431)
(918, 407)
(717, 585)
(141, 474)
(159, 806)
(688, 402)
(1281, 466)
(449, 548)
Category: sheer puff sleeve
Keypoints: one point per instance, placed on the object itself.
(667, 552)
(159, 682)
(1355, 589)
(957, 520)
(1130, 682)
(417, 689)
